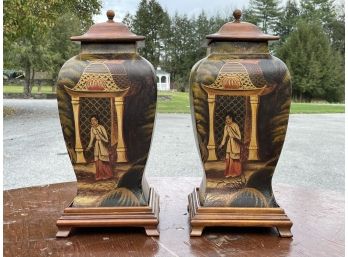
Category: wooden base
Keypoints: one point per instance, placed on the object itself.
(140, 216)
(201, 217)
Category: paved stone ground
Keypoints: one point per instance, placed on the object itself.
(34, 152)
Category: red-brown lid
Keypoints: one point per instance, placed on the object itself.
(109, 31)
(240, 31)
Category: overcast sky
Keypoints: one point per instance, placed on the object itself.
(189, 7)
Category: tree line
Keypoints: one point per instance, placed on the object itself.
(36, 38)
(311, 44)
(37, 32)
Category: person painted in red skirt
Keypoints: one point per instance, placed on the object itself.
(233, 137)
(101, 154)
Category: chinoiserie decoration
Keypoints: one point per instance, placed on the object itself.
(107, 102)
(240, 101)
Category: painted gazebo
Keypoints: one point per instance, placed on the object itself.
(105, 80)
(233, 80)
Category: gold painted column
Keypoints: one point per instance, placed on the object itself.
(121, 148)
(253, 146)
(113, 125)
(211, 143)
(80, 158)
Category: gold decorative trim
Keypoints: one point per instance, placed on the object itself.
(233, 76)
(97, 77)
(72, 93)
(97, 81)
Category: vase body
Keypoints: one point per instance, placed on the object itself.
(240, 102)
(111, 84)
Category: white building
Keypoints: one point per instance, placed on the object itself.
(163, 79)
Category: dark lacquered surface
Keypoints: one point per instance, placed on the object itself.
(240, 82)
(30, 215)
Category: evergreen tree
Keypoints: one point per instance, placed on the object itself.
(326, 13)
(152, 22)
(248, 15)
(337, 32)
(217, 21)
(181, 54)
(128, 20)
(203, 28)
(321, 10)
(265, 13)
(316, 68)
(288, 19)
(187, 44)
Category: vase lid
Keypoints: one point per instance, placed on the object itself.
(109, 31)
(240, 31)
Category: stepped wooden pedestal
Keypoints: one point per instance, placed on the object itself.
(141, 216)
(30, 215)
(201, 217)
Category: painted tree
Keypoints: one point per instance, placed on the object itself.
(316, 68)
(27, 25)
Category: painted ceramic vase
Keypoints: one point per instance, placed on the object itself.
(107, 102)
(240, 101)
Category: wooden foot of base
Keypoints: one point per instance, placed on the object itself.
(201, 217)
(196, 231)
(284, 231)
(140, 216)
(151, 231)
(63, 231)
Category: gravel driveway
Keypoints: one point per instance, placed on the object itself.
(35, 154)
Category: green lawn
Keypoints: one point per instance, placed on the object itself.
(173, 102)
(316, 108)
(178, 102)
(19, 89)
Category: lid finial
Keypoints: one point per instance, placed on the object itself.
(110, 14)
(237, 14)
(237, 30)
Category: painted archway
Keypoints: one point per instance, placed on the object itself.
(233, 80)
(102, 79)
